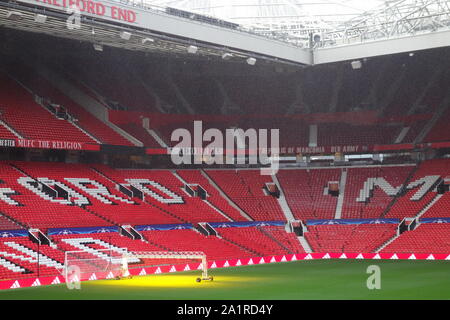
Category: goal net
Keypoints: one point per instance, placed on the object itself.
(87, 265)
(115, 263)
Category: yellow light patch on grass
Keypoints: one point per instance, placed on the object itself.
(173, 281)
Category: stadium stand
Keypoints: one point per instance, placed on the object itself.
(20, 111)
(305, 192)
(421, 192)
(190, 240)
(440, 209)
(254, 240)
(394, 111)
(84, 119)
(366, 203)
(334, 134)
(426, 238)
(196, 177)
(118, 87)
(342, 238)
(245, 188)
(102, 193)
(19, 257)
(180, 204)
(40, 211)
(288, 240)
(7, 224)
(5, 133)
(141, 134)
(440, 131)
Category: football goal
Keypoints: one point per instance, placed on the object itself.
(168, 256)
(115, 263)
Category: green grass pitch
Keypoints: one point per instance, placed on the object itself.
(317, 279)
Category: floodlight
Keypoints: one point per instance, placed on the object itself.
(251, 61)
(125, 35)
(356, 64)
(192, 49)
(40, 18)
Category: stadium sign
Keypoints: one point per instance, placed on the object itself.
(99, 9)
(7, 143)
(48, 144)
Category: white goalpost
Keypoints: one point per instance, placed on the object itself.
(80, 265)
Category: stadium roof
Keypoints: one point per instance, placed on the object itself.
(294, 32)
(337, 21)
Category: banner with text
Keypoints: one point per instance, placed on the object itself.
(49, 144)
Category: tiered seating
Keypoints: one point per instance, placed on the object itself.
(414, 130)
(427, 238)
(440, 209)
(36, 212)
(214, 197)
(304, 192)
(267, 95)
(345, 238)
(289, 240)
(377, 200)
(124, 210)
(404, 206)
(5, 133)
(253, 239)
(166, 128)
(118, 85)
(245, 188)
(440, 131)
(18, 109)
(86, 120)
(334, 134)
(6, 224)
(190, 240)
(105, 242)
(23, 254)
(187, 208)
(293, 132)
(141, 134)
